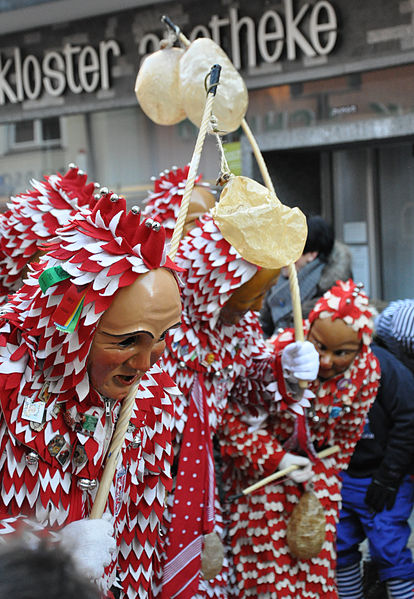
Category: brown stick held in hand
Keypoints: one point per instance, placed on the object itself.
(280, 473)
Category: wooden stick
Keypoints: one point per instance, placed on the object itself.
(280, 473)
(118, 438)
(115, 448)
(293, 277)
(195, 161)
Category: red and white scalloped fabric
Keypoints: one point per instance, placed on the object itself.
(47, 492)
(264, 567)
(234, 362)
(164, 202)
(32, 219)
(103, 250)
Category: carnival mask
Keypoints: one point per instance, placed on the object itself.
(248, 296)
(131, 333)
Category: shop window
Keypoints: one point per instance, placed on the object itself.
(36, 133)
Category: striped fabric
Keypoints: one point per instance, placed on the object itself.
(403, 325)
(349, 582)
(395, 328)
(400, 589)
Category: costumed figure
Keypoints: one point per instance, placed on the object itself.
(218, 352)
(267, 561)
(32, 219)
(89, 325)
(164, 202)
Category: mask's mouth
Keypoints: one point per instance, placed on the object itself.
(127, 379)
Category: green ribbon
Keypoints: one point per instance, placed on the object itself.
(52, 276)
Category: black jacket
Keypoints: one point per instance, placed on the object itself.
(387, 443)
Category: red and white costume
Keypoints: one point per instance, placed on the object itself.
(48, 468)
(264, 567)
(32, 219)
(212, 364)
(164, 202)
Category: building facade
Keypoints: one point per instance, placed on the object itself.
(331, 104)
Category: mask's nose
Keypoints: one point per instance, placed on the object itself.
(140, 361)
(326, 359)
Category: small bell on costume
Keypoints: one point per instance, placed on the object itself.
(306, 529)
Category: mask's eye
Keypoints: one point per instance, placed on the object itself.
(167, 332)
(127, 342)
(164, 335)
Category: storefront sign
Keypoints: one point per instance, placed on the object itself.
(79, 69)
(310, 31)
(84, 66)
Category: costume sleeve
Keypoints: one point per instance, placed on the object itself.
(396, 398)
(252, 450)
(10, 525)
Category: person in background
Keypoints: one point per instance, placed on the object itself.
(378, 488)
(323, 262)
(394, 329)
(41, 571)
(266, 566)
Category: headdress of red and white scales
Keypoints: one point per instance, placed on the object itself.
(33, 217)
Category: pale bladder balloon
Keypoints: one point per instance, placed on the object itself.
(231, 99)
(157, 87)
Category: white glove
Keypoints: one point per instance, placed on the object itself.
(91, 545)
(303, 473)
(300, 361)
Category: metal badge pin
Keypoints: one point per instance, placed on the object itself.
(32, 458)
(136, 442)
(86, 485)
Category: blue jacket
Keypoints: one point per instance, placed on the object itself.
(387, 443)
